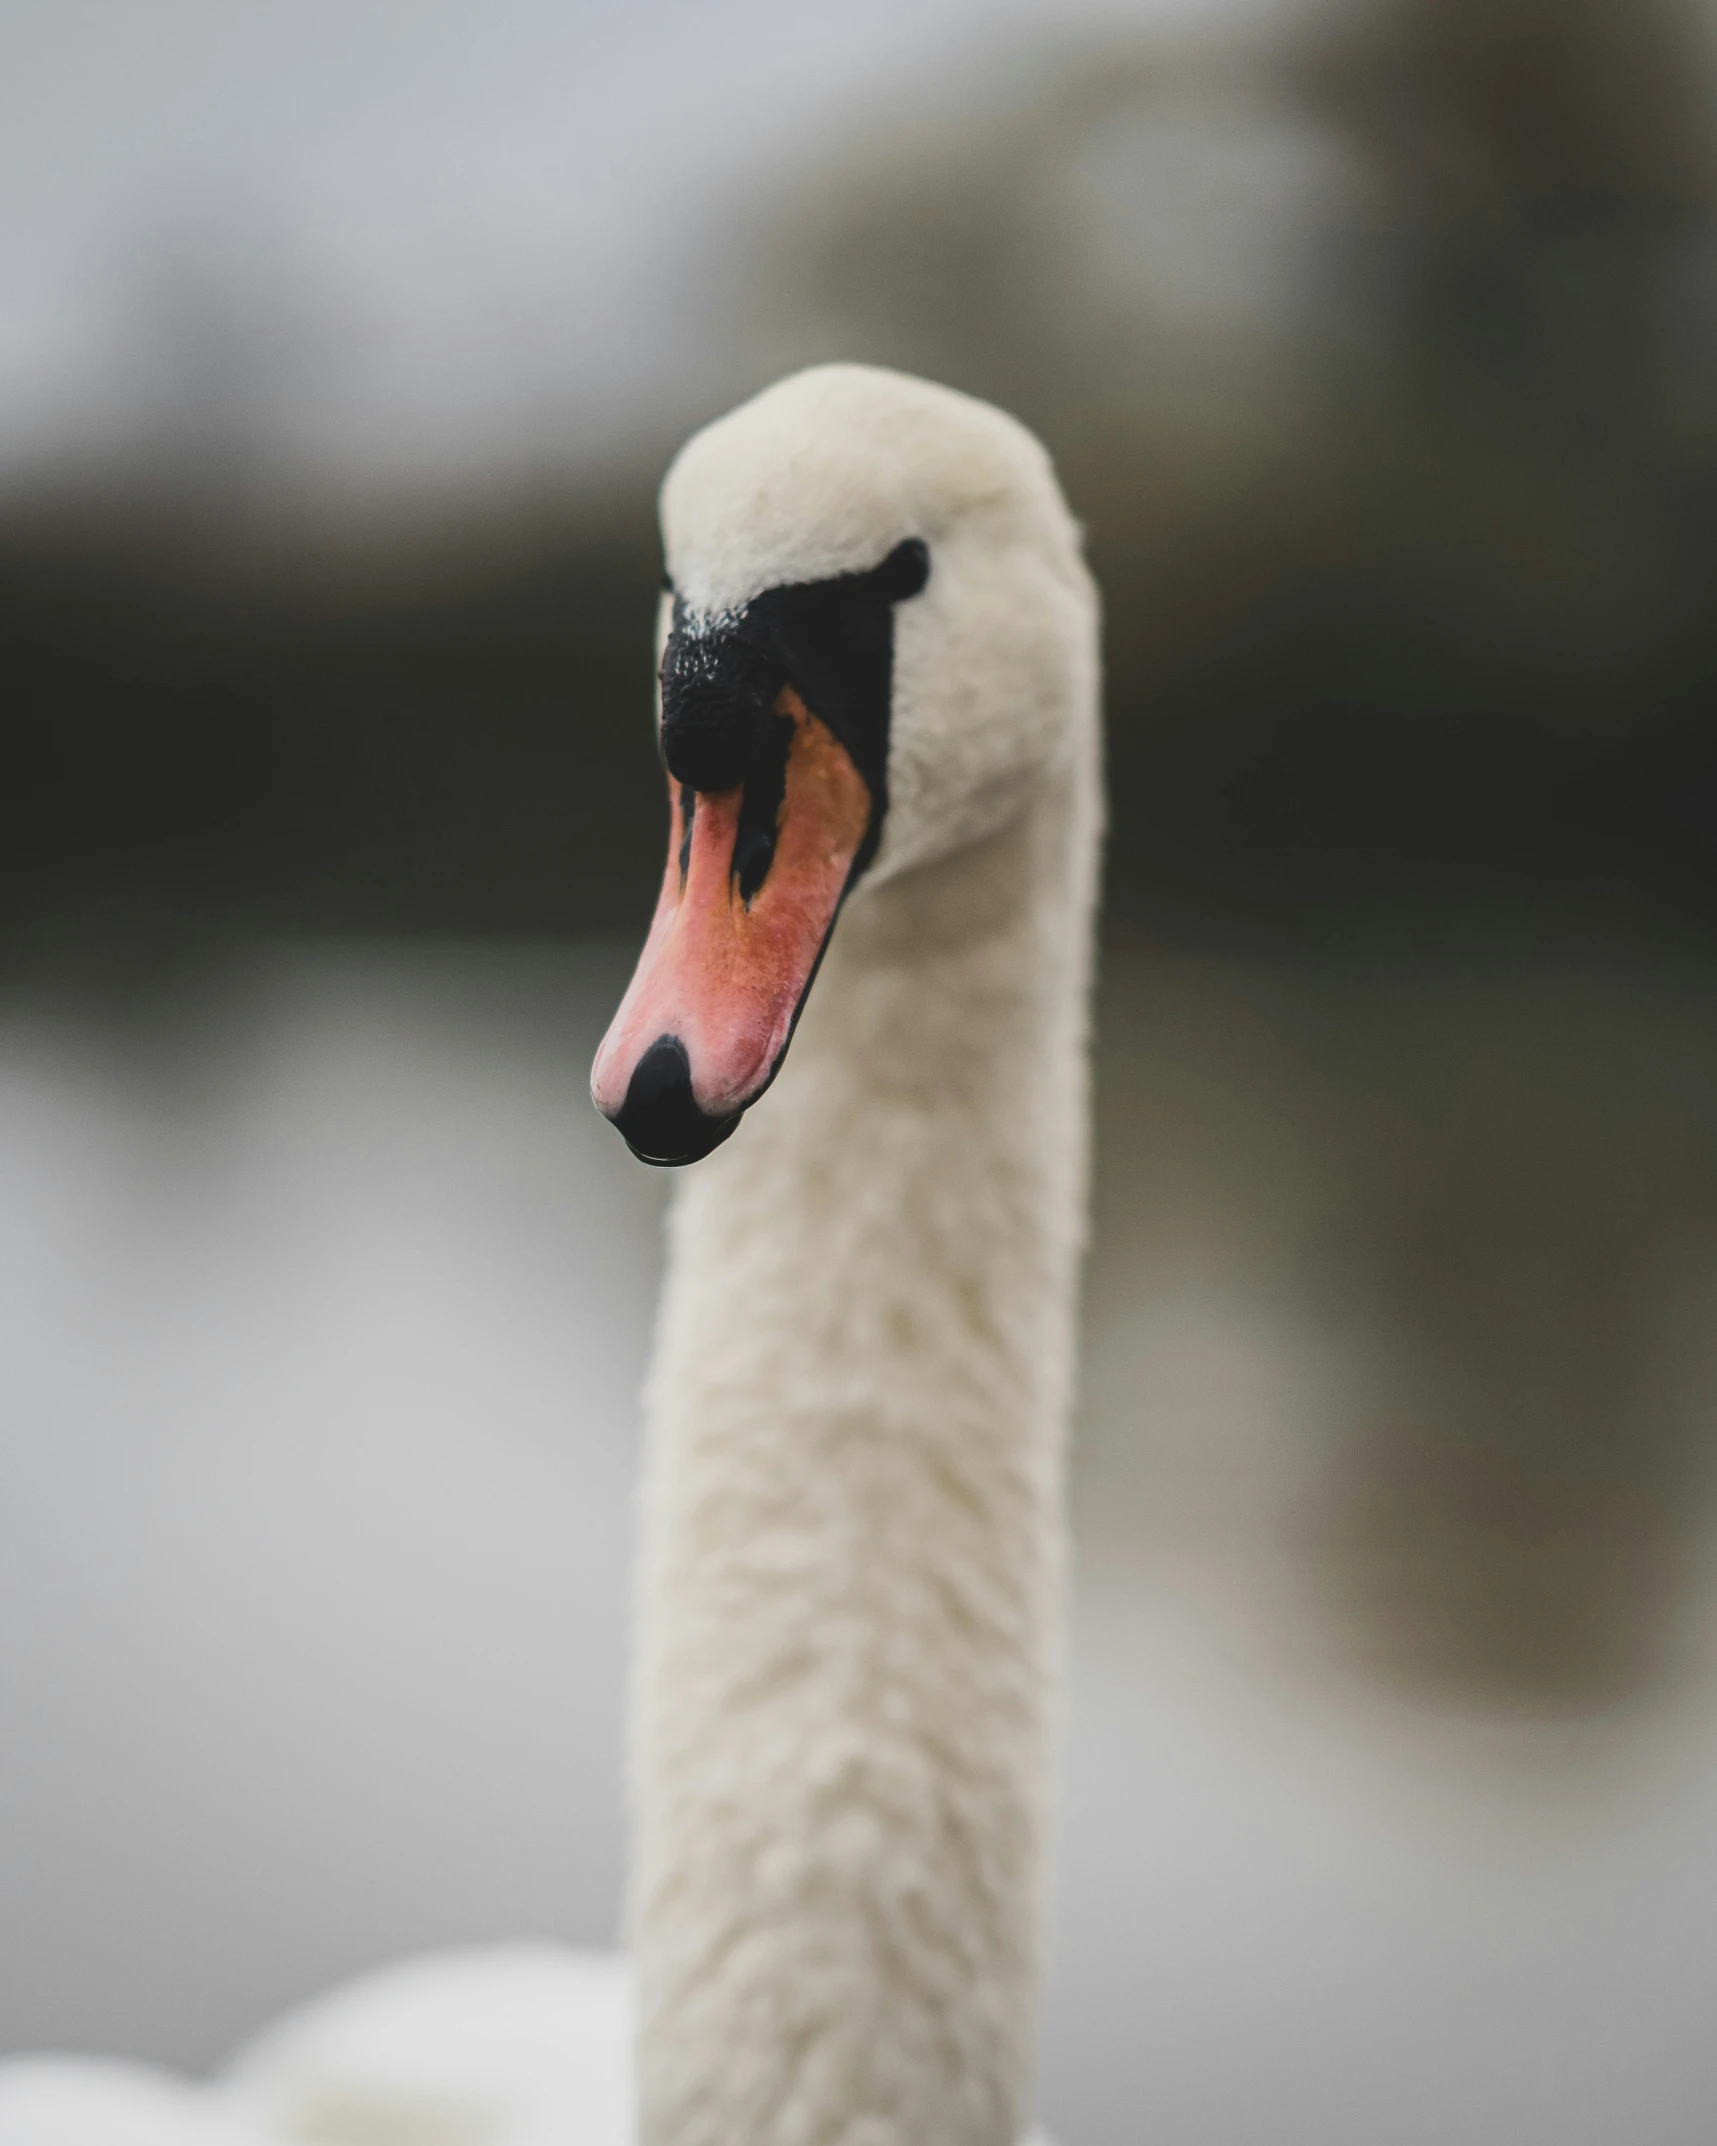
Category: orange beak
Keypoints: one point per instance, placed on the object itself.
(744, 914)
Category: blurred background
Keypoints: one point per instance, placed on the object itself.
(341, 349)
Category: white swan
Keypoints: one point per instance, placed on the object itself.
(879, 690)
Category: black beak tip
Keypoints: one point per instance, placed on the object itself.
(660, 1120)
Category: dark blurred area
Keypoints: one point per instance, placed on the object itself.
(1380, 358)
(218, 729)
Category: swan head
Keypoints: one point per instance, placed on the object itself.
(876, 634)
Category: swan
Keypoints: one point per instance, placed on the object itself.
(861, 1013)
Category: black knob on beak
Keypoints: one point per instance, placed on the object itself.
(717, 692)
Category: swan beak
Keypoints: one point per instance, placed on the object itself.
(755, 877)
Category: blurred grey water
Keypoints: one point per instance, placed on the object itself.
(323, 1311)
(1390, 1804)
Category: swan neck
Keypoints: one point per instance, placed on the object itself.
(850, 1581)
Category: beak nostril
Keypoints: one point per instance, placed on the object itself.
(660, 1120)
(760, 805)
(688, 808)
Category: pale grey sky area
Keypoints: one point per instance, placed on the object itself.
(429, 234)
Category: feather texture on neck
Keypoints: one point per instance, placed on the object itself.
(850, 1594)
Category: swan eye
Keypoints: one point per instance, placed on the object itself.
(903, 573)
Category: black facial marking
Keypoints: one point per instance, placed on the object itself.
(760, 804)
(688, 805)
(833, 642)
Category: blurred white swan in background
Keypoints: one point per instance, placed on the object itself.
(879, 704)
(522, 2046)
